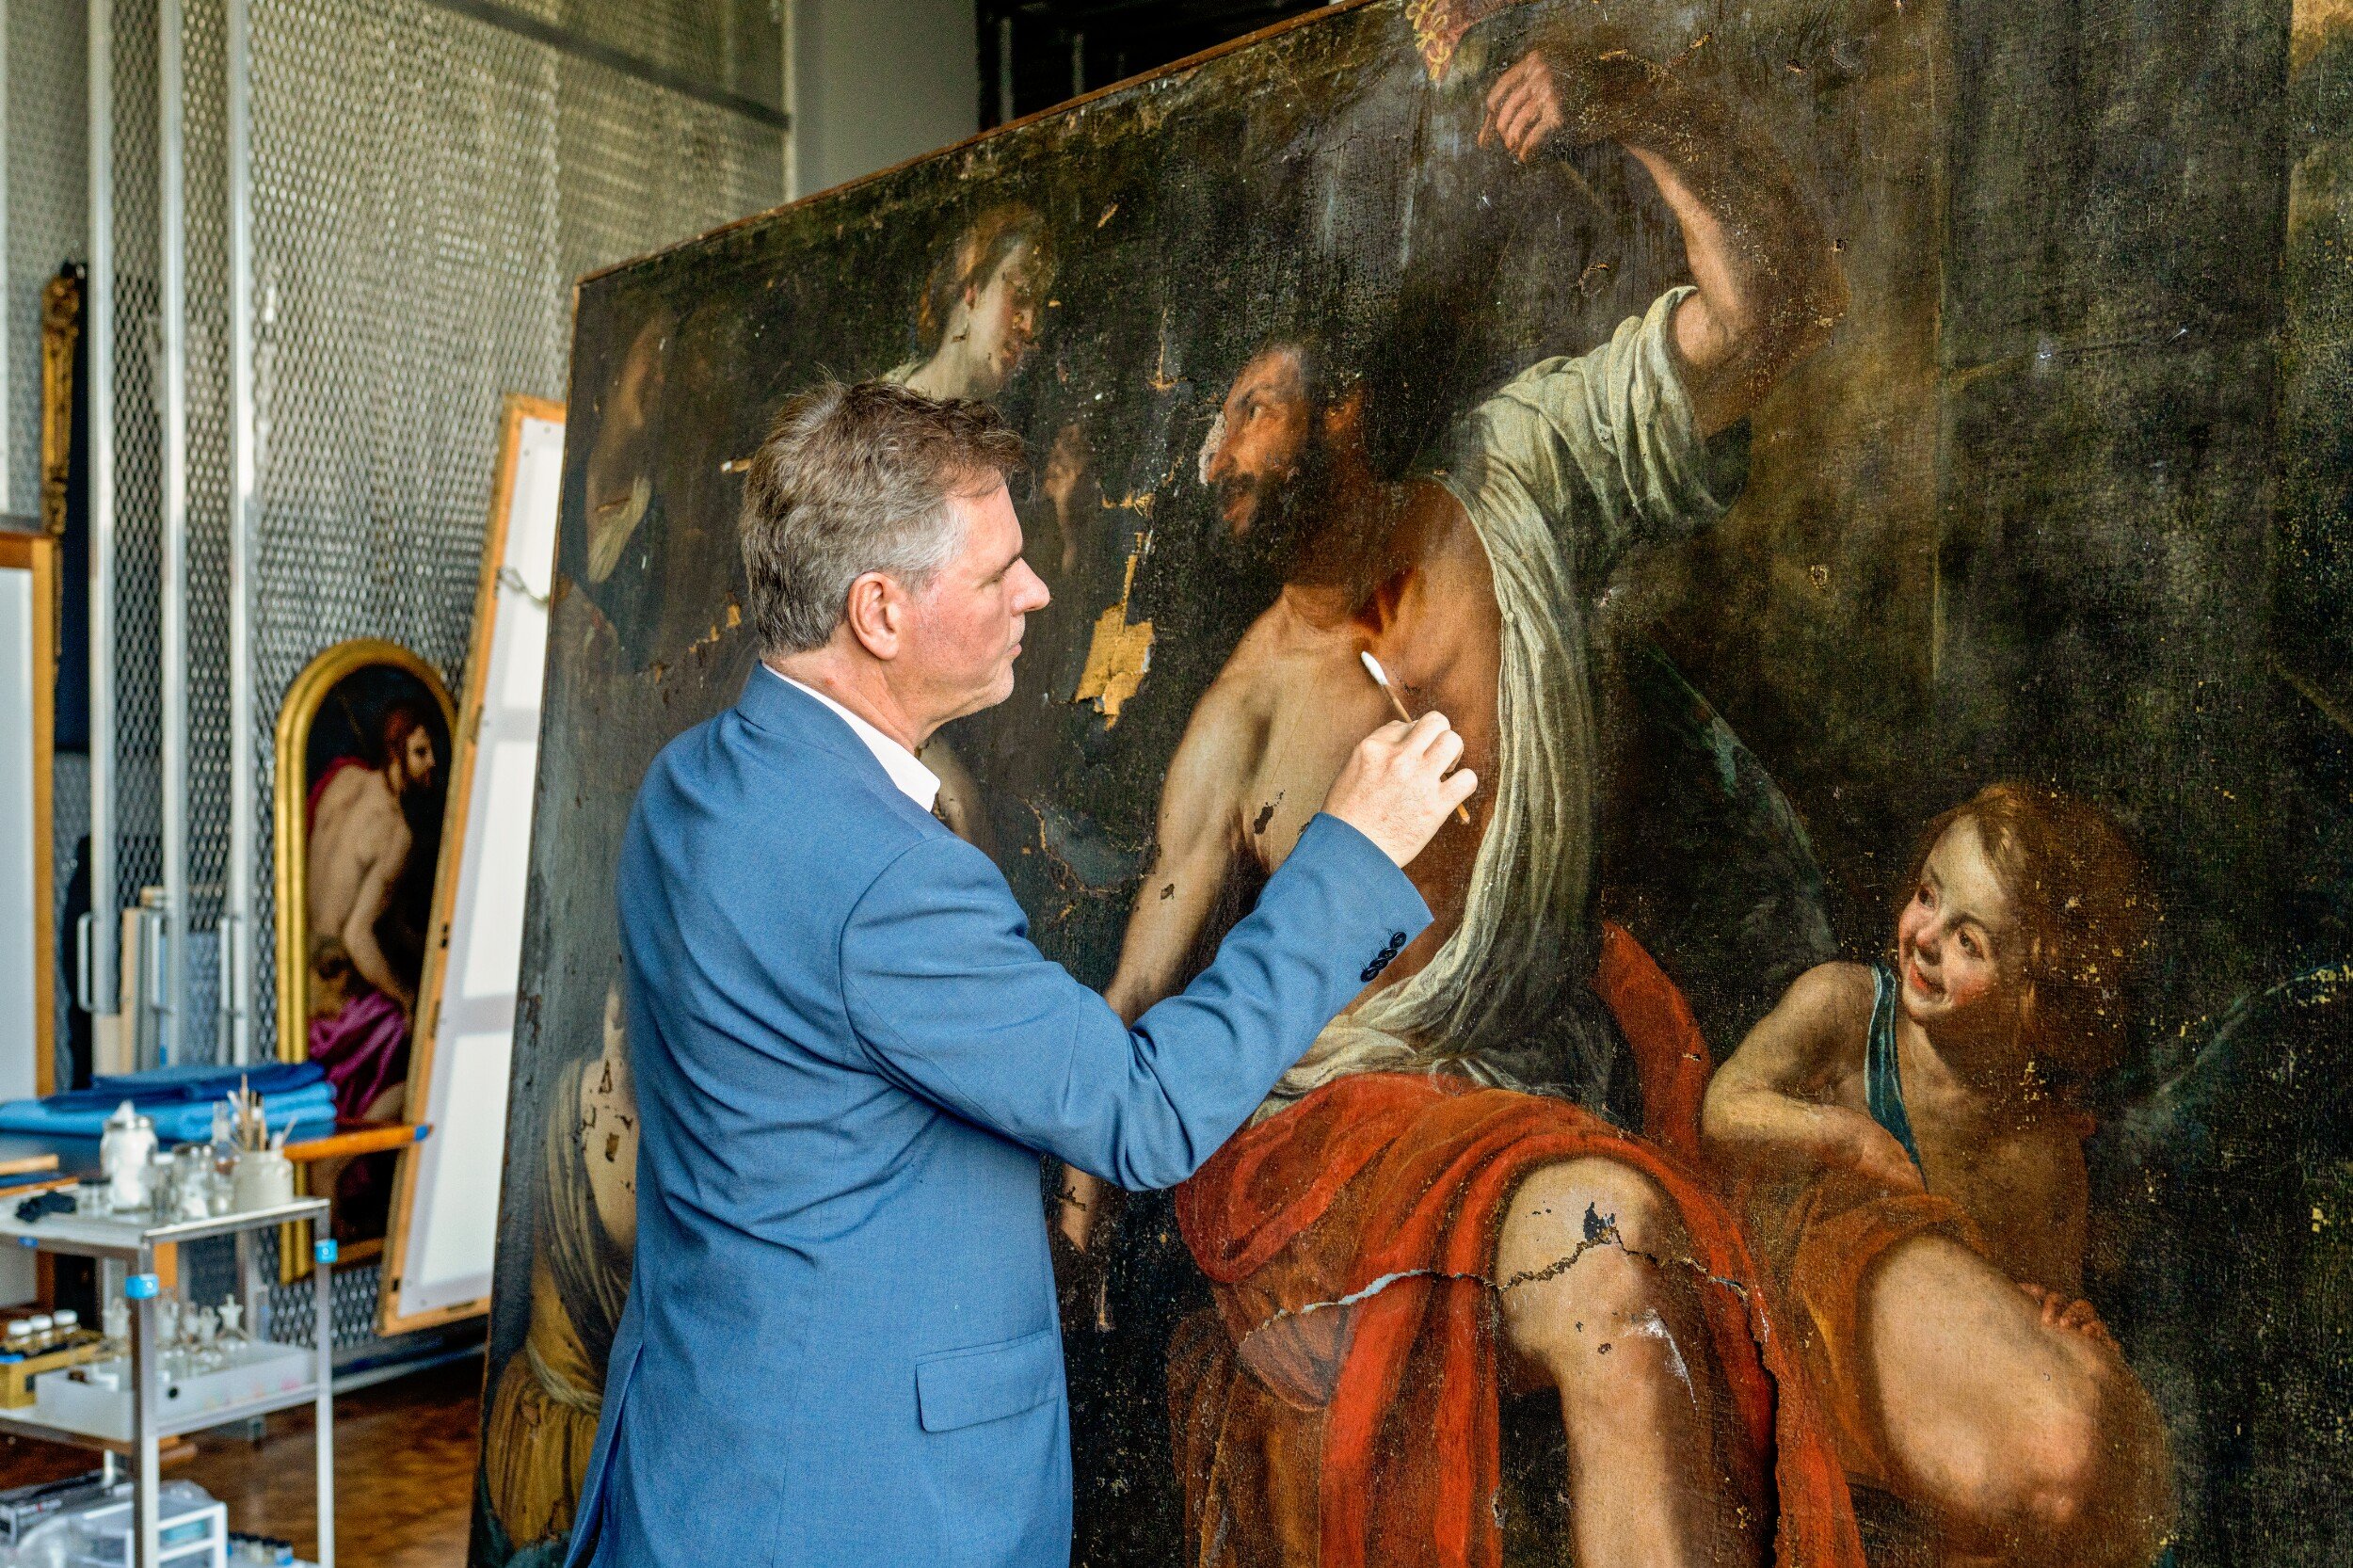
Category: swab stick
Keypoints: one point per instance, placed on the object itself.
(1380, 678)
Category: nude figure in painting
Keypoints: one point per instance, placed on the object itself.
(1404, 1234)
(360, 844)
(1909, 1152)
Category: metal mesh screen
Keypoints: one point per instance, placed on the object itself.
(48, 190)
(205, 263)
(426, 187)
(138, 456)
(48, 154)
(404, 239)
(638, 167)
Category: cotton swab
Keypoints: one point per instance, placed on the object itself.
(1380, 678)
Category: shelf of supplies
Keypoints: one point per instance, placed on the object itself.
(23, 1423)
(93, 1237)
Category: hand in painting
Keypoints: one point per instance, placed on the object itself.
(1874, 1153)
(2078, 1315)
(1394, 788)
(1536, 99)
(1079, 1239)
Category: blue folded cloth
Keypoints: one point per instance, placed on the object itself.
(195, 1082)
(179, 1118)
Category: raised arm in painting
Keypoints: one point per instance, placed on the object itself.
(1770, 286)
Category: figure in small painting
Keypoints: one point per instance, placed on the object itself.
(373, 821)
(1907, 1137)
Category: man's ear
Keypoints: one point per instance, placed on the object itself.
(876, 614)
(1344, 416)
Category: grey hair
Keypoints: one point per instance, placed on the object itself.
(854, 479)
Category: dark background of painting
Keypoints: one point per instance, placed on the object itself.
(2028, 515)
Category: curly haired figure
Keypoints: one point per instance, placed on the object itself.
(1906, 1138)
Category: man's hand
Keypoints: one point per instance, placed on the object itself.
(1537, 99)
(1396, 790)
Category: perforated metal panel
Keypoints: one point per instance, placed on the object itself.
(48, 184)
(48, 165)
(138, 456)
(638, 169)
(425, 188)
(404, 175)
(205, 259)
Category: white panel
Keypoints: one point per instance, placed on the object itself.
(491, 923)
(531, 517)
(523, 654)
(457, 1218)
(18, 918)
(522, 662)
(454, 1215)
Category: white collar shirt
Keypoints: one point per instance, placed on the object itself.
(914, 780)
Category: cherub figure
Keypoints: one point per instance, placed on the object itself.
(1906, 1138)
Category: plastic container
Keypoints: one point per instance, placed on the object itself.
(95, 1400)
(192, 1531)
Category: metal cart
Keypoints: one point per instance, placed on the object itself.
(126, 1252)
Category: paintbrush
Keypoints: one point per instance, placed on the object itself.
(1380, 678)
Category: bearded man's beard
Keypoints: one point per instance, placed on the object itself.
(1288, 509)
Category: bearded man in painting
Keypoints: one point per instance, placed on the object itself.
(1403, 1234)
(359, 844)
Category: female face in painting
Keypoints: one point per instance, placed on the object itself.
(1000, 320)
(979, 312)
(1957, 939)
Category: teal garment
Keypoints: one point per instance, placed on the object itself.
(1883, 1081)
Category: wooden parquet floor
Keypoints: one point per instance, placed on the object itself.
(404, 1471)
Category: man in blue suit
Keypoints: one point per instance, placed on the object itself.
(840, 1344)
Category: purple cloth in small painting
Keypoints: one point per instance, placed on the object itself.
(363, 1048)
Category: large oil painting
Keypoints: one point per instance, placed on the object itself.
(1868, 479)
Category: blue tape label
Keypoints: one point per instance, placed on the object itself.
(140, 1287)
(324, 1252)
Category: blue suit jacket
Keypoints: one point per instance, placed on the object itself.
(841, 1345)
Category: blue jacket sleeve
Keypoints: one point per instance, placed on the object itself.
(952, 1002)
